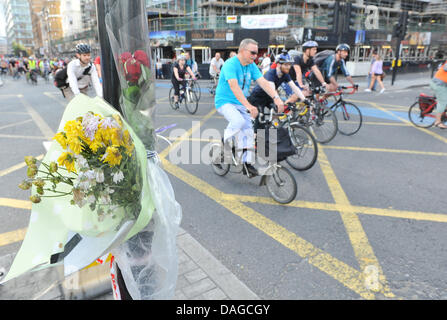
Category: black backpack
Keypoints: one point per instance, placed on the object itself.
(60, 78)
(283, 143)
(321, 56)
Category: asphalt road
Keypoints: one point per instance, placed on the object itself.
(368, 222)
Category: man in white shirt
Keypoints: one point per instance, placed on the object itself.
(216, 63)
(80, 73)
(265, 65)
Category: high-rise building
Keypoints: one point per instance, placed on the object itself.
(47, 24)
(18, 23)
(78, 16)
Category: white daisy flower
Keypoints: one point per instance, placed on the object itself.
(117, 177)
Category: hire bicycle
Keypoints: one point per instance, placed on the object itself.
(279, 181)
(421, 111)
(187, 96)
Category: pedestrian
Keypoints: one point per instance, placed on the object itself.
(439, 85)
(80, 73)
(373, 59)
(376, 74)
(97, 63)
(159, 68)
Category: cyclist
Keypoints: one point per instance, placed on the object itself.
(80, 73)
(191, 64)
(302, 64)
(215, 66)
(231, 102)
(44, 67)
(32, 68)
(179, 71)
(330, 67)
(275, 77)
(439, 85)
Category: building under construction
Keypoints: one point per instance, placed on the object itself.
(207, 26)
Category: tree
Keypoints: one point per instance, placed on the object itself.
(18, 48)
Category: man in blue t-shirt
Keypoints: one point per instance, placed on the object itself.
(231, 102)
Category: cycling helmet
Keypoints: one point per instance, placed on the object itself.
(293, 53)
(83, 48)
(310, 44)
(181, 57)
(343, 47)
(284, 58)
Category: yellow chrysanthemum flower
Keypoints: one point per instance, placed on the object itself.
(112, 156)
(75, 145)
(118, 119)
(95, 145)
(60, 137)
(68, 161)
(127, 143)
(115, 136)
(73, 128)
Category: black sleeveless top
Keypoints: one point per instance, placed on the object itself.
(181, 72)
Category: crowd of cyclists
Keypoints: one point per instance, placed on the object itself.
(31, 67)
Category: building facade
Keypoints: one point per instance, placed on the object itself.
(218, 26)
(79, 24)
(47, 25)
(18, 23)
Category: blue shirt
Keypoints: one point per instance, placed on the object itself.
(330, 66)
(272, 76)
(233, 69)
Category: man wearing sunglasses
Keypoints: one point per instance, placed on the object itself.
(231, 102)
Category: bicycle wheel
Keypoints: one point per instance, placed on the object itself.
(171, 99)
(217, 160)
(306, 148)
(349, 118)
(196, 88)
(324, 126)
(281, 184)
(191, 101)
(418, 119)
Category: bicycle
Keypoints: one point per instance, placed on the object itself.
(187, 95)
(421, 111)
(302, 139)
(346, 111)
(196, 87)
(320, 120)
(279, 181)
(213, 85)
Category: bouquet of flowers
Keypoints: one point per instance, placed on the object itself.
(97, 154)
(90, 192)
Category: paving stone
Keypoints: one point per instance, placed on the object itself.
(214, 294)
(199, 287)
(195, 275)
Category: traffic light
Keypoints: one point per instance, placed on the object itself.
(333, 16)
(350, 17)
(400, 29)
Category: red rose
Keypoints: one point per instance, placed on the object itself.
(132, 70)
(125, 56)
(141, 57)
